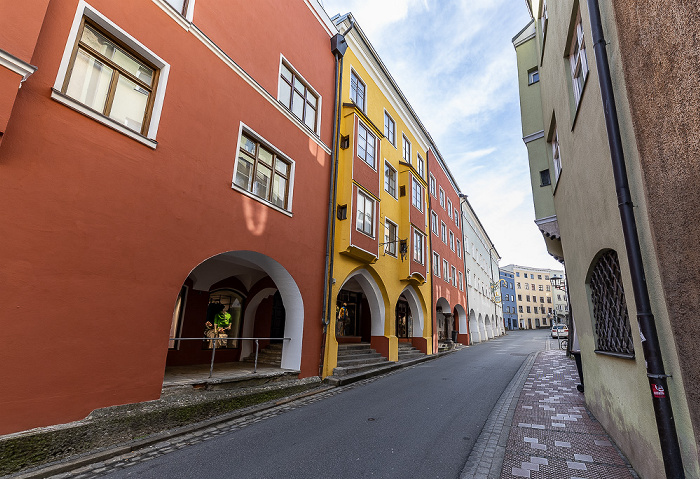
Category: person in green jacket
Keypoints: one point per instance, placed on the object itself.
(220, 328)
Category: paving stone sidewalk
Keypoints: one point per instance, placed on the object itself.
(552, 434)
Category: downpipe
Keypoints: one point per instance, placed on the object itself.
(665, 423)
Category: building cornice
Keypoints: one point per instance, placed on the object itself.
(533, 136)
(16, 65)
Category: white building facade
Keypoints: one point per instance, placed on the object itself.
(482, 273)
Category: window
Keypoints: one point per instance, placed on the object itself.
(525, 275)
(418, 246)
(390, 237)
(520, 308)
(541, 299)
(544, 18)
(461, 281)
(296, 95)
(432, 185)
(456, 217)
(577, 60)
(436, 264)
(406, 150)
(449, 208)
(434, 222)
(454, 276)
(527, 286)
(545, 180)
(263, 172)
(546, 277)
(442, 197)
(446, 270)
(547, 288)
(613, 333)
(459, 249)
(443, 232)
(417, 195)
(520, 297)
(365, 213)
(533, 76)
(452, 241)
(528, 309)
(549, 300)
(365, 144)
(519, 286)
(533, 286)
(517, 274)
(527, 298)
(111, 79)
(540, 287)
(539, 276)
(389, 179)
(421, 166)
(357, 91)
(389, 128)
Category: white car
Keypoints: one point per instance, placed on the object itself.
(563, 331)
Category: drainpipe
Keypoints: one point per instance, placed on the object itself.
(463, 198)
(338, 47)
(665, 423)
(433, 319)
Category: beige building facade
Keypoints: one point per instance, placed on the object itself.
(577, 184)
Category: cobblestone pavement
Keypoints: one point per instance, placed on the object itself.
(125, 461)
(553, 435)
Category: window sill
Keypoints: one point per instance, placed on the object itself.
(615, 355)
(260, 200)
(99, 117)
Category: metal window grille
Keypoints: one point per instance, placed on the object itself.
(612, 324)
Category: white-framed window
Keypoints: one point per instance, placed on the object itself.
(366, 143)
(432, 186)
(389, 179)
(449, 208)
(358, 91)
(544, 18)
(109, 76)
(418, 247)
(365, 213)
(443, 232)
(453, 276)
(456, 218)
(389, 128)
(299, 98)
(417, 194)
(556, 155)
(434, 223)
(442, 197)
(446, 270)
(406, 150)
(421, 166)
(461, 281)
(459, 249)
(452, 240)
(533, 76)
(390, 237)
(577, 59)
(262, 170)
(436, 264)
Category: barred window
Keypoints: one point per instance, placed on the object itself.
(612, 325)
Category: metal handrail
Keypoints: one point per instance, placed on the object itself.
(213, 351)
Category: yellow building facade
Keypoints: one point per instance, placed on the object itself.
(380, 286)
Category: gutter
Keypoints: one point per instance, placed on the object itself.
(665, 423)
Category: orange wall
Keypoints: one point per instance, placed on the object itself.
(20, 23)
(103, 230)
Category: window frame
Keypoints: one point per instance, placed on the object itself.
(578, 60)
(443, 231)
(276, 154)
(365, 200)
(433, 185)
(452, 240)
(434, 226)
(533, 76)
(360, 127)
(406, 151)
(308, 89)
(421, 165)
(390, 246)
(417, 194)
(123, 39)
(387, 179)
(436, 262)
(442, 198)
(556, 155)
(354, 92)
(446, 270)
(392, 138)
(418, 240)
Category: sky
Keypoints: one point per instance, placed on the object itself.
(454, 61)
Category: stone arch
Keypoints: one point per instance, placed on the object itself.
(474, 327)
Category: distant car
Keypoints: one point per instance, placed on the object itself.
(563, 331)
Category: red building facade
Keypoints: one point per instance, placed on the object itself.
(159, 162)
(447, 261)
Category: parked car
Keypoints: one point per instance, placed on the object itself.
(563, 331)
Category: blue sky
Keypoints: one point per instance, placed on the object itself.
(454, 61)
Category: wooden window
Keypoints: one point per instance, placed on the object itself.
(263, 172)
(390, 128)
(406, 150)
(417, 195)
(418, 247)
(298, 97)
(357, 91)
(365, 145)
(432, 185)
(577, 60)
(111, 79)
(389, 179)
(365, 214)
(436, 264)
(390, 237)
(421, 166)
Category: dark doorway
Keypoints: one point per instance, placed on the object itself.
(404, 320)
(278, 316)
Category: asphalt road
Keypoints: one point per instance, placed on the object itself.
(420, 422)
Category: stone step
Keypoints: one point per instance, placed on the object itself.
(344, 371)
(368, 354)
(353, 346)
(409, 356)
(362, 361)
